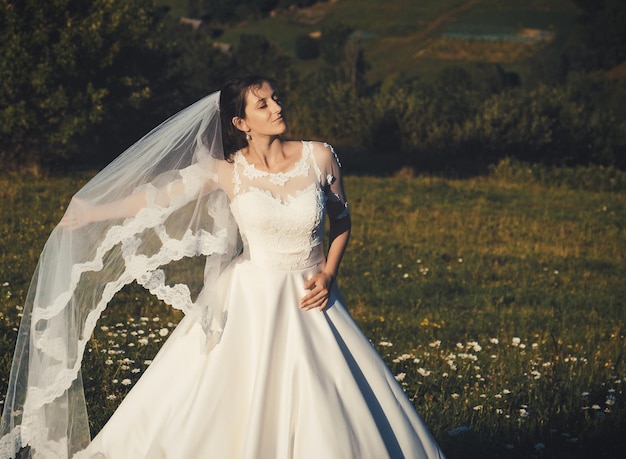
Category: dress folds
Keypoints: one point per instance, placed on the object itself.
(283, 382)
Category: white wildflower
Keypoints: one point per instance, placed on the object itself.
(423, 372)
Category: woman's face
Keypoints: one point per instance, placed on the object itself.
(264, 113)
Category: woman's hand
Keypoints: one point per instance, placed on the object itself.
(77, 215)
(319, 291)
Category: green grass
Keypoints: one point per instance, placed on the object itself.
(498, 301)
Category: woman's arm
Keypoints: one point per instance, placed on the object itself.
(80, 213)
(320, 284)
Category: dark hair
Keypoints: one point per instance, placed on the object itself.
(233, 104)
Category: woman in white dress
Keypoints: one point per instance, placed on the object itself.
(267, 362)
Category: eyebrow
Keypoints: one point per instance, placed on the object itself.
(264, 99)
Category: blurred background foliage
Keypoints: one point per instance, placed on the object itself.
(80, 80)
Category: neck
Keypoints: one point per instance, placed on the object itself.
(267, 151)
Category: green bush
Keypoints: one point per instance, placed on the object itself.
(307, 47)
(460, 127)
(62, 64)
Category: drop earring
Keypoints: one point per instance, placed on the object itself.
(248, 136)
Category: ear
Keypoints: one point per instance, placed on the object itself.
(240, 124)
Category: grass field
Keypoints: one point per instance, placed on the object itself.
(498, 302)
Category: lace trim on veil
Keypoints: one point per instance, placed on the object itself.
(61, 373)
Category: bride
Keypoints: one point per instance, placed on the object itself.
(267, 362)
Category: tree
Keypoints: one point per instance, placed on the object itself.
(228, 11)
(603, 34)
(89, 75)
(255, 54)
(62, 64)
(334, 37)
(307, 47)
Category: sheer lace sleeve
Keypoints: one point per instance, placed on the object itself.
(330, 170)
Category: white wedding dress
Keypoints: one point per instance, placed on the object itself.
(282, 382)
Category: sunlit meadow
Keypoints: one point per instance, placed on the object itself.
(498, 303)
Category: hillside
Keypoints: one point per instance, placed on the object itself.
(420, 37)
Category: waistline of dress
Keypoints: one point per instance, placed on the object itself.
(277, 260)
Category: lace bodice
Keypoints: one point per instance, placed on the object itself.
(281, 215)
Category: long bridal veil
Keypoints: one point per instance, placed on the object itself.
(80, 270)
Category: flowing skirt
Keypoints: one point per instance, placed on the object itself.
(282, 383)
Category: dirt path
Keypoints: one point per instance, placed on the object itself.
(433, 25)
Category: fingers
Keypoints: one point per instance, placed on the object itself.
(319, 293)
(71, 221)
(319, 301)
(310, 283)
(76, 215)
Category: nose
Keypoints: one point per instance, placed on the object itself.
(277, 106)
